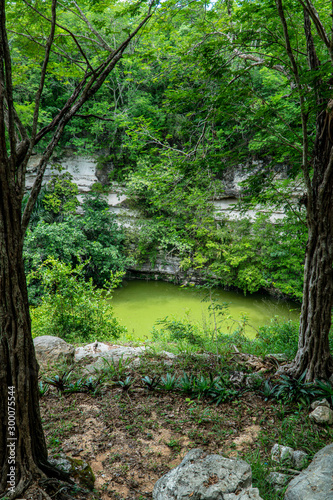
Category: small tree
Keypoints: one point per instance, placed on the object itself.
(23, 453)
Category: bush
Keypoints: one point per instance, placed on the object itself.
(278, 337)
(72, 308)
(177, 330)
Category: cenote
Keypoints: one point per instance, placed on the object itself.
(139, 304)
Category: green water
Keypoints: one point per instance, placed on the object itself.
(138, 304)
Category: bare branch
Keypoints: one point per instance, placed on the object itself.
(60, 51)
(43, 72)
(260, 61)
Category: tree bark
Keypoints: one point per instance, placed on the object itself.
(23, 452)
(21, 446)
(313, 355)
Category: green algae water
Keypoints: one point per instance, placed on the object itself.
(139, 304)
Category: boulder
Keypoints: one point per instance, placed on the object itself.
(278, 480)
(77, 468)
(254, 380)
(92, 351)
(281, 453)
(299, 459)
(237, 377)
(322, 402)
(207, 477)
(315, 482)
(52, 350)
(322, 415)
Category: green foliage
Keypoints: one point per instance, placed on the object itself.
(60, 382)
(93, 237)
(65, 385)
(169, 382)
(43, 388)
(178, 330)
(73, 308)
(61, 195)
(186, 382)
(324, 389)
(178, 220)
(126, 383)
(115, 370)
(220, 392)
(277, 337)
(151, 383)
(295, 390)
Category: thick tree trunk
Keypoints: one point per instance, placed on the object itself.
(23, 454)
(313, 355)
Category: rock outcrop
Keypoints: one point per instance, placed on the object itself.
(315, 482)
(207, 477)
(52, 350)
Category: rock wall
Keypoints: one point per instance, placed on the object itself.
(86, 171)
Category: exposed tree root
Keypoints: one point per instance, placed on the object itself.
(295, 370)
(48, 489)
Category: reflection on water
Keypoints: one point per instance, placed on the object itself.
(138, 304)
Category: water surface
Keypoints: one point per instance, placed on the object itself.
(138, 304)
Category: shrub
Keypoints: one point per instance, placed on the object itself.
(277, 337)
(72, 308)
(177, 330)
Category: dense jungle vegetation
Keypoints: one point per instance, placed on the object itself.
(180, 108)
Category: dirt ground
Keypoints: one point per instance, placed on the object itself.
(130, 439)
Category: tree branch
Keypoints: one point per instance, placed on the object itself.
(83, 91)
(305, 153)
(309, 7)
(67, 31)
(105, 45)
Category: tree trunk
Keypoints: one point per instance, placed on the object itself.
(313, 355)
(23, 454)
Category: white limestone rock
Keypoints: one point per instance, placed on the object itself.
(207, 477)
(278, 480)
(315, 482)
(281, 453)
(299, 459)
(322, 402)
(51, 350)
(322, 415)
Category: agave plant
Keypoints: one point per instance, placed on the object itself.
(169, 382)
(43, 388)
(220, 392)
(186, 382)
(126, 384)
(61, 382)
(151, 383)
